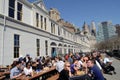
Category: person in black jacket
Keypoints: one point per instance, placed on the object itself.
(66, 72)
(39, 65)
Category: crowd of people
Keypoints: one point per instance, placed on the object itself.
(83, 66)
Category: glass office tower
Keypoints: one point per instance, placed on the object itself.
(105, 31)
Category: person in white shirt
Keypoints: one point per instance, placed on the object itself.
(59, 65)
(106, 59)
(108, 67)
(28, 69)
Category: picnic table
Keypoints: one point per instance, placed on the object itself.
(4, 74)
(37, 75)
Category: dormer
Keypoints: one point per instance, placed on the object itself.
(40, 4)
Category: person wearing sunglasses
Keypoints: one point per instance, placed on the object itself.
(66, 72)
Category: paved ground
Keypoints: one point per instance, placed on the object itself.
(116, 64)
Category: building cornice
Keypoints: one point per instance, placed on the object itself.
(26, 3)
(23, 26)
(18, 25)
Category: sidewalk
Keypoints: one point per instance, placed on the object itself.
(116, 64)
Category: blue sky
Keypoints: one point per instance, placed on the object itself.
(78, 11)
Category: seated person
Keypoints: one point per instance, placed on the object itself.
(16, 71)
(38, 66)
(27, 58)
(107, 67)
(74, 67)
(28, 69)
(94, 71)
(13, 64)
(59, 65)
(66, 72)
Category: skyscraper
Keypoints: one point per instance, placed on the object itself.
(105, 31)
(118, 29)
(93, 28)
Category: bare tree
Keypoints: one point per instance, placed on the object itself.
(110, 44)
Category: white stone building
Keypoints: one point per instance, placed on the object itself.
(26, 28)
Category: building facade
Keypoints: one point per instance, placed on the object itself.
(28, 28)
(90, 32)
(105, 31)
(117, 26)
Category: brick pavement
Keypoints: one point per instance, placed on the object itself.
(116, 64)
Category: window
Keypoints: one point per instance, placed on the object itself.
(67, 34)
(65, 51)
(37, 19)
(58, 30)
(16, 45)
(46, 47)
(41, 22)
(52, 27)
(11, 8)
(45, 23)
(19, 11)
(38, 46)
(64, 33)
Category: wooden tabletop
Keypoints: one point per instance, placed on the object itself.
(4, 73)
(35, 74)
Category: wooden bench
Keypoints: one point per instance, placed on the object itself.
(54, 77)
(2, 77)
